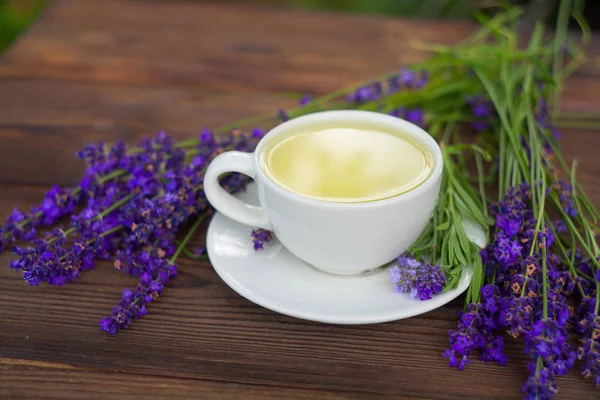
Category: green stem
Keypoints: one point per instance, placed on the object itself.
(187, 252)
(538, 366)
(188, 236)
(574, 230)
(434, 250)
(99, 216)
(540, 218)
(480, 174)
(112, 230)
(569, 264)
(597, 298)
(544, 278)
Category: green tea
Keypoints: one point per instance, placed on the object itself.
(346, 165)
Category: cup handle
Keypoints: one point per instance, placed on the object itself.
(225, 203)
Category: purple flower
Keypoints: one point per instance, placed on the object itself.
(559, 226)
(283, 115)
(584, 266)
(305, 100)
(412, 79)
(415, 116)
(544, 121)
(393, 84)
(483, 110)
(58, 202)
(124, 218)
(547, 340)
(508, 224)
(200, 252)
(507, 252)
(565, 195)
(419, 279)
(588, 324)
(462, 360)
(407, 79)
(564, 283)
(206, 137)
(133, 303)
(476, 331)
(258, 133)
(133, 263)
(365, 94)
(49, 261)
(260, 237)
(398, 112)
(513, 303)
(516, 314)
(540, 384)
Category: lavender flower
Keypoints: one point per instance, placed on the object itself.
(133, 304)
(547, 340)
(565, 194)
(507, 252)
(305, 100)
(414, 115)
(478, 330)
(546, 343)
(589, 350)
(419, 279)
(559, 226)
(133, 204)
(543, 118)
(516, 314)
(508, 224)
(482, 110)
(364, 94)
(260, 237)
(516, 302)
(283, 115)
(135, 263)
(407, 79)
(58, 202)
(258, 133)
(540, 384)
(200, 252)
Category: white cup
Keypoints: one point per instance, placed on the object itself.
(339, 238)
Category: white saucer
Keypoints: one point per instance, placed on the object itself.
(277, 280)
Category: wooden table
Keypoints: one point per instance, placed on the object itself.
(91, 70)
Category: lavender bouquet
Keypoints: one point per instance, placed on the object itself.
(493, 106)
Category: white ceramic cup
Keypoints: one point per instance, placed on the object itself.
(340, 238)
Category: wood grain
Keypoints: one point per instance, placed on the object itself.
(107, 70)
(17, 376)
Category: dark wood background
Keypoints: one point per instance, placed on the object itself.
(91, 70)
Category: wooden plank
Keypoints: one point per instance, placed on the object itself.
(37, 127)
(214, 46)
(34, 380)
(201, 329)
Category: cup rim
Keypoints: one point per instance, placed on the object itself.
(365, 117)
